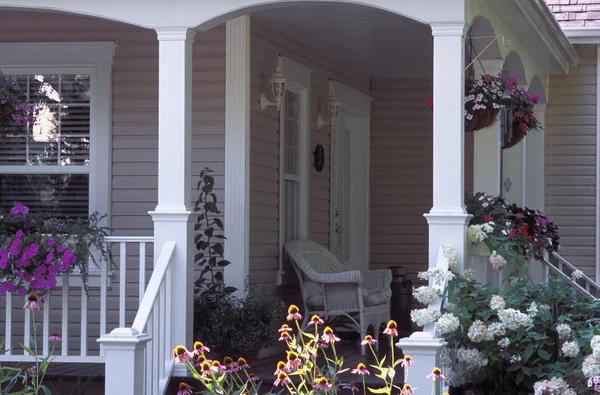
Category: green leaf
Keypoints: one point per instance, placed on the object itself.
(544, 355)
(218, 222)
(29, 351)
(378, 390)
(46, 390)
(229, 290)
(223, 263)
(528, 351)
(513, 368)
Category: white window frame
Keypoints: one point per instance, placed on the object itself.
(299, 82)
(89, 58)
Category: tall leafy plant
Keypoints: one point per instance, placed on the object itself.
(209, 242)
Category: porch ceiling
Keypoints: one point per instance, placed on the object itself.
(365, 40)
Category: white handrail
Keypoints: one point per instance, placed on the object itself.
(559, 271)
(129, 239)
(158, 276)
(583, 276)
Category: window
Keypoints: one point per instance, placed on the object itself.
(293, 157)
(58, 161)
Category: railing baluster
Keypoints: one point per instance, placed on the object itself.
(8, 323)
(142, 273)
(84, 322)
(122, 282)
(27, 331)
(155, 346)
(162, 331)
(46, 327)
(103, 296)
(65, 316)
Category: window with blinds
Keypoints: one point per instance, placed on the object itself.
(45, 164)
(291, 165)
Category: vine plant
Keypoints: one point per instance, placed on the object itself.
(209, 242)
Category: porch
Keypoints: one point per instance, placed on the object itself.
(191, 99)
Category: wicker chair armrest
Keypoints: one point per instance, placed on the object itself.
(349, 277)
(377, 278)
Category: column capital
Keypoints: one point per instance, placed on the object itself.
(448, 29)
(175, 34)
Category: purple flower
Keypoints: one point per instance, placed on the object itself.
(60, 249)
(14, 250)
(19, 208)
(19, 234)
(51, 242)
(49, 258)
(55, 337)
(22, 292)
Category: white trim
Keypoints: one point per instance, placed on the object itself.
(61, 54)
(597, 166)
(357, 105)
(237, 151)
(582, 35)
(298, 82)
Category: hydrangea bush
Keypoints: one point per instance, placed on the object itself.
(36, 249)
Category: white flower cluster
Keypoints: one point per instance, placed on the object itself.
(504, 343)
(497, 302)
(577, 274)
(425, 294)
(472, 357)
(423, 317)
(532, 310)
(451, 255)
(513, 319)
(478, 233)
(591, 364)
(469, 275)
(545, 307)
(554, 386)
(447, 323)
(570, 349)
(438, 276)
(446, 357)
(515, 358)
(564, 331)
(478, 332)
(497, 260)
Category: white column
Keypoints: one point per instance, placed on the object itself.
(447, 218)
(486, 167)
(172, 216)
(237, 151)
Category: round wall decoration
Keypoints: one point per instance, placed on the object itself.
(319, 157)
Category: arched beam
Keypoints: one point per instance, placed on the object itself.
(514, 65)
(539, 88)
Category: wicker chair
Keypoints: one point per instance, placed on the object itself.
(329, 290)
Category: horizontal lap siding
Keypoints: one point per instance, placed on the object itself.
(264, 147)
(570, 160)
(401, 173)
(134, 138)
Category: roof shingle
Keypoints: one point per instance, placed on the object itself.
(575, 13)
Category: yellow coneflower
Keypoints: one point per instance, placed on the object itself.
(293, 361)
(180, 353)
(436, 373)
(242, 364)
(206, 369)
(391, 328)
(321, 383)
(281, 367)
(294, 313)
(283, 379)
(200, 348)
(329, 336)
(315, 320)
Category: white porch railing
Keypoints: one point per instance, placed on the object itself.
(78, 319)
(138, 358)
(558, 265)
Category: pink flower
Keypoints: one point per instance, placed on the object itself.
(322, 384)
(282, 379)
(242, 364)
(200, 348)
(284, 328)
(294, 313)
(19, 208)
(512, 233)
(55, 337)
(315, 320)
(32, 302)
(391, 328)
(351, 386)
(407, 361)
(436, 373)
(281, 368)
(284, 336)
(184, 389)
(180, 353)
(328, 336)
(407, 389)
(252, 377)
(368, 340)
(293, 361)
(523, 127)
(430, 102)
(360, 369)
(487, 218)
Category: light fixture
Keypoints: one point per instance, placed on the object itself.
(277, 83)
(332, 108)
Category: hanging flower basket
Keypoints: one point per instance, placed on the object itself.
(481, 119)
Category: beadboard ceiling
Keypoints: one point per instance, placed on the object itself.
(365, 40)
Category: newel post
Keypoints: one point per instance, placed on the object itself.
(124, 365)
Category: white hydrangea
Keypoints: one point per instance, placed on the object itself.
(514, 319)
(438, 276)
(451, 255)
(469, 275)
(497, 260)
(591, 366)
(532, 310)
(423, 317)
(564, 331)
(455, 379)
(473, 358)
(504, 343)
(544, 307)
(595, 343)
(447, 323)
(487, 228)
(425, 294)
(446, 357)
(476, 234)
(497, 302)
(477, 332)
(554, 386)
(570, 349)
(577, 274)
(494, 330)
(515, 358)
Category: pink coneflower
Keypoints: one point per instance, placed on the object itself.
(242, 364)
(436, 373)
(293, 361)
(322, 384)
(407, 361)
(206, 369)
(283, 379)
(294, 313)
(200, 360)
(321, 344)
(184, 389)
(391, 328)
(351, 386)
(228, 365)
(407, 389)
(200, 348)
(361, 369)
(329, 336)
(180, 353)
(55, 337)
(252, 377)
(216, 366)
(284, 336)
(284, 328)
(368, 340)
(281, 367)
(32, 302)
(315, 320)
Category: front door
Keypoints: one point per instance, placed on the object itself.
(350, 190)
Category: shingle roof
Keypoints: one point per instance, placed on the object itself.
(576, 13)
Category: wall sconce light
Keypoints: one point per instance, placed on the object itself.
(332, 108)
(277, 83)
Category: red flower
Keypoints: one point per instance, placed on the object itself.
(430, 102)
(487, 218)
(523, 127)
